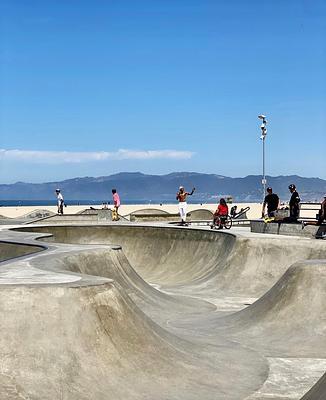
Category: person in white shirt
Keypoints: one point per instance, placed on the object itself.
(60, 201)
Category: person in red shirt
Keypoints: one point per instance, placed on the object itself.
(221, 213)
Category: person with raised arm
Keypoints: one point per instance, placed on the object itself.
(182, 199)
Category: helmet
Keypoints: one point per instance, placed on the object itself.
(181, 187)
(57, 190)
(291, 186)
(269, 189)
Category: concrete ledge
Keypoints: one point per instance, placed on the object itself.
(154, 217)
(91, 216)
(279, 228)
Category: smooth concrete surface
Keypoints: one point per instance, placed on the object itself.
(129, 311)
(10, 250)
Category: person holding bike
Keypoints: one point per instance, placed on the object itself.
(221, 214)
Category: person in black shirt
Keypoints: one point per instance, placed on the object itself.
(322, 212)
(294, 203)
(272, 201)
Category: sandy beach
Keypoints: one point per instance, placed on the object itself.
(20, 211)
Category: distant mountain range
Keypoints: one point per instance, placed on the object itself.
(162, 188)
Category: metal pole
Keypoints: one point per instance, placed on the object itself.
(264, 177)
(263, 137)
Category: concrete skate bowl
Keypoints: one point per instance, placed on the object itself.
(201, 215)
(9, 250)
(204, 260)
(38, 214)
(149, 211)
(275, 354)
(151, 215)
(87, 339)
(26, 218)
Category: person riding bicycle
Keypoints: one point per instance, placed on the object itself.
(221, 213)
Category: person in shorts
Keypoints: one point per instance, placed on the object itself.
(272, 202)
(116, 205)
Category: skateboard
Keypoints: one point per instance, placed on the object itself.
(269, 219)
(114, 214)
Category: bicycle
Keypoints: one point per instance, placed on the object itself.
(222, 221)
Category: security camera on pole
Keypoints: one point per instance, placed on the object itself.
(263, 137)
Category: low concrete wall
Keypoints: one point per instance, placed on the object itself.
(279, 228)
(155, 217)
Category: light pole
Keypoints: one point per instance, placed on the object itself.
(262, 138)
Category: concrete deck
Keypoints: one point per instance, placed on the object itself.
(130, 311)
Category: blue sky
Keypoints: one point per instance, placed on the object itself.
(91, 88)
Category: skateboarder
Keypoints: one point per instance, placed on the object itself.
(116, 205)
(182, 199)
(60, 201)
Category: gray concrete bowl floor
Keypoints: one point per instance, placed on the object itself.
(130, 311)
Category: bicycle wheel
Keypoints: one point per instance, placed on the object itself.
(228, 223)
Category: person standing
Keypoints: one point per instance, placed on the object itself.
(294, 204)
(116, 205)
(182, 199)
(60, 201)
(272, 201)
(322, 212)
(321, 215)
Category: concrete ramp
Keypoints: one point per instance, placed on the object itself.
(290, 318)
(92, 343)
(9, 250)
(112, 263)
(318, 391)
(198, 260)
(85, 338)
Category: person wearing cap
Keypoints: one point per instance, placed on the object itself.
(272, 201)
(60, 201)
(294, 204)
(182, 199)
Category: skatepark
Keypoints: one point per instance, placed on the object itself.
(154, 311)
